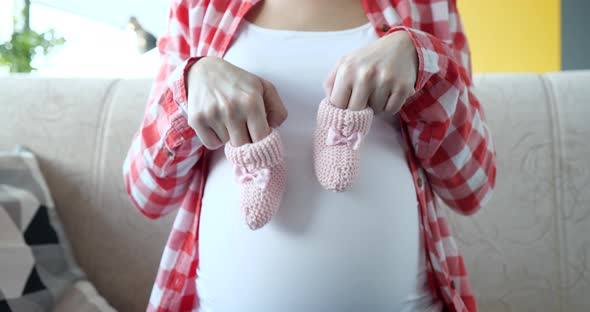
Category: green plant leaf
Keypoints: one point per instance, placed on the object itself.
(20, 50)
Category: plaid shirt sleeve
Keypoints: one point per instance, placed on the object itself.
(446, 123)
(162, 157)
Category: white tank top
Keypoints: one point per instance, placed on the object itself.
(360, 250)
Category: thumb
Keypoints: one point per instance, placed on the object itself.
(276, 113)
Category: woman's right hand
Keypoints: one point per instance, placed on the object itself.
(227, 103)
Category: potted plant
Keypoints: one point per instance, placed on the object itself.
(24, 44)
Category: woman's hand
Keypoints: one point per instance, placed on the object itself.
(381, 75)
(226, 103)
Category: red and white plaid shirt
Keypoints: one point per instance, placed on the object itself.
(450, 148)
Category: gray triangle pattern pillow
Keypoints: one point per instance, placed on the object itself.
(36, 264)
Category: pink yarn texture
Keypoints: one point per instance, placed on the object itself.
(261, 172)
(337, 141)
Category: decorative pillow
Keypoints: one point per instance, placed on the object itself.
(36, 264)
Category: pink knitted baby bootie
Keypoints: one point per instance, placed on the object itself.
(336, 145)
(261, 172)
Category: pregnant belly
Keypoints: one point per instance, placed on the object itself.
(355, 251)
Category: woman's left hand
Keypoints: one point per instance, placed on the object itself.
(381, 75)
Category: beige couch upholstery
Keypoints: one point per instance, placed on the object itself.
(529, 250)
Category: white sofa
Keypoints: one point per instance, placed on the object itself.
(529, 250)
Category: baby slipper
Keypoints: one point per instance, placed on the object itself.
(261, 172)
(336, 144)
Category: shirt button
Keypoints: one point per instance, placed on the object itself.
(385, 28)
(420, 182)
(452, 284)
(170, 154)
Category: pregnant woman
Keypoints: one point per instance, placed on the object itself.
(230, 72)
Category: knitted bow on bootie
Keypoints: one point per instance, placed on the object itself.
(336, 144)
(261, 172)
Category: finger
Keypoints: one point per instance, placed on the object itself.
(378, 100)
(360, 96)
(329, 82)
(256, 121)
(221, 133)
(393, 104)
(238, 133)
(397, 99)
(258, 127)
(276, 112)
(342, 90)
(207, 136)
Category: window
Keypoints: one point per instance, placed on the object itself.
(93, 48)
